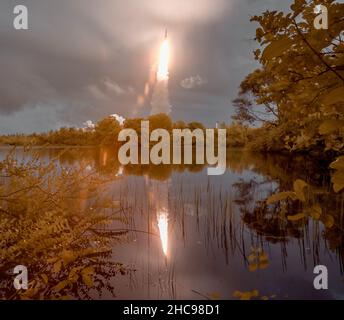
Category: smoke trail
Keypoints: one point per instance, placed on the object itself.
(160, 99)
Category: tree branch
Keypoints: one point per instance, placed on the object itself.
(317, 53)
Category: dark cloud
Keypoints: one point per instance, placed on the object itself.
(85, 59)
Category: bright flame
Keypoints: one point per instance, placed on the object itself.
(163, 229)
(162, 73)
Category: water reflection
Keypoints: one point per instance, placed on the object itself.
(194, 236)
(158, 195)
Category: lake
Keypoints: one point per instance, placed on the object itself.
(194, 236)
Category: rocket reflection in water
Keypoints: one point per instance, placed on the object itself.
(158, 191)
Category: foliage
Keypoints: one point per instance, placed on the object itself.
(238, 135)
(56, 221)
(106, 131)
(247, 295)
(299, 88)
(258, 259)
(308, 209)
(338, 175)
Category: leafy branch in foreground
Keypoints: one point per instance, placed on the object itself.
(56, 221)
(298, 91)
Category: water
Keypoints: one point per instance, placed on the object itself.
(193, 236)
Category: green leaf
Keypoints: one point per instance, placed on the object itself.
(299, 185)
(281, 196)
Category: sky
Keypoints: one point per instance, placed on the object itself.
(83, 59)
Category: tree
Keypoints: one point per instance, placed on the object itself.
(196, 125)
(160, 121)
(107, 131)
(300, 84)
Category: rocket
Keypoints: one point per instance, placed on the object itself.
(166, 33)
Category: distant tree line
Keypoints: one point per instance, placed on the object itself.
(105, 133)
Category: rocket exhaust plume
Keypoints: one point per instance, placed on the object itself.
(162, 73)
(160, 99)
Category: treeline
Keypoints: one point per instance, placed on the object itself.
(106, 133)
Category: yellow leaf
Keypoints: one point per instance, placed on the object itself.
(263, 257)
(281, 196)
(330, 126)
(252, 257)
(57, 266)
(87, 280)
(338, 180)
(68, 256)
(328, 221)
(214, 295)
(88, 270)
(73, 274)
(61, 285)
(263, 264)
(338, 187)
(246, 295)
(315, 212)
(338, 164)
(252, 267)
(334, 96)
(299, 185)
(276, 48)
(296, 217)
(52, 260)
(45, 278)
